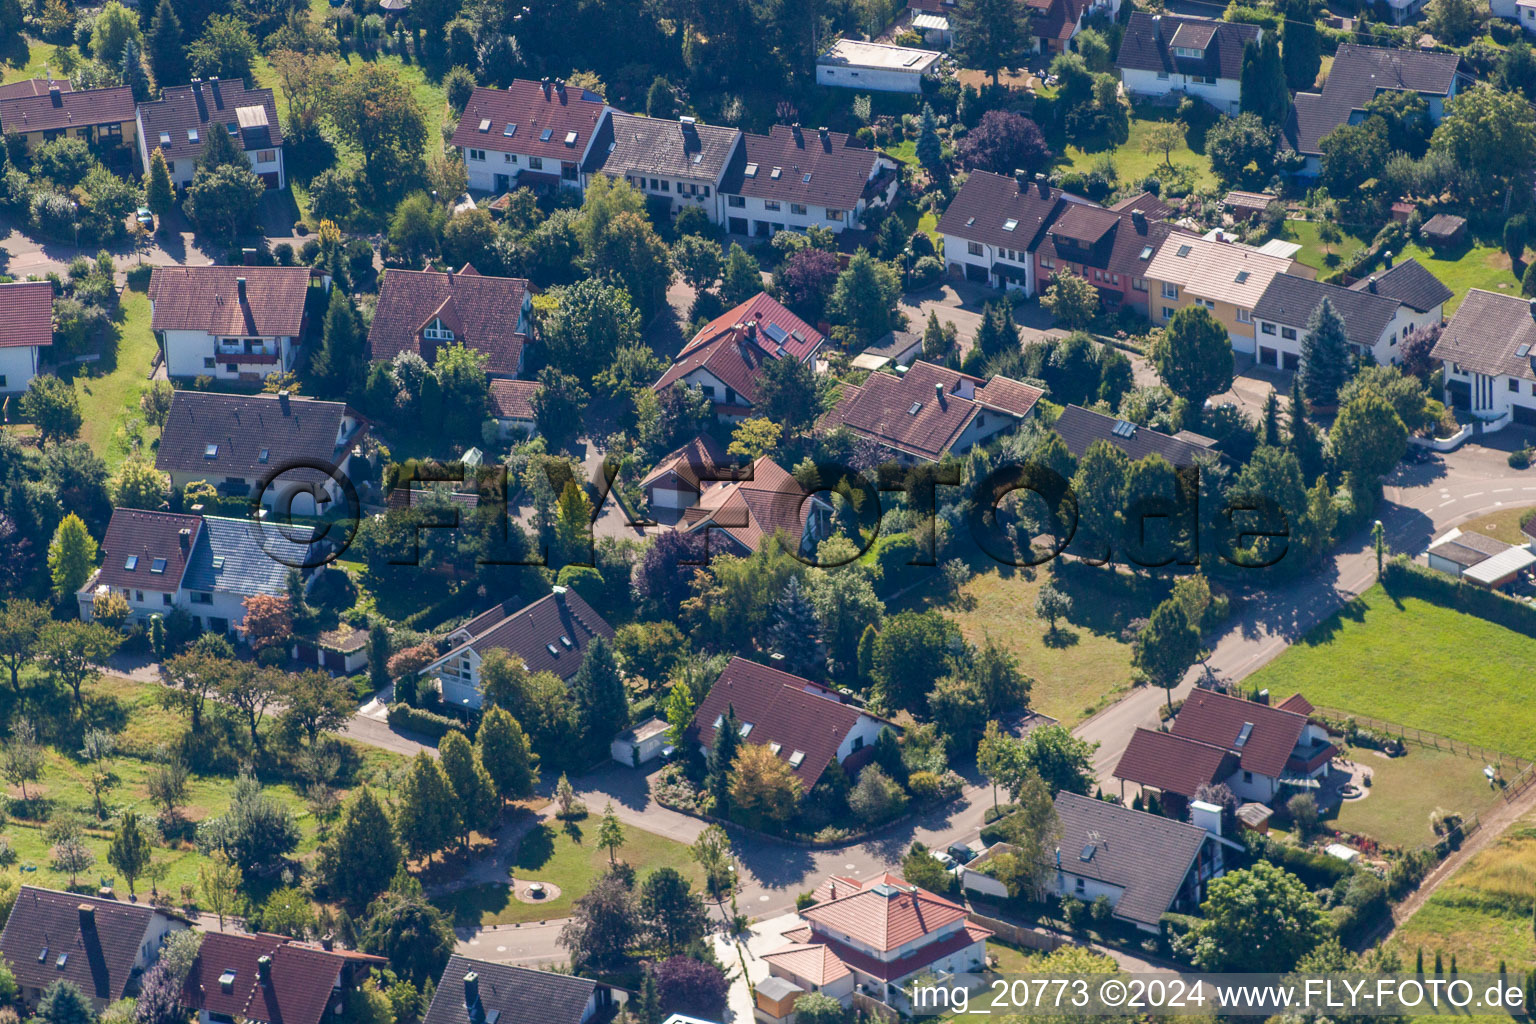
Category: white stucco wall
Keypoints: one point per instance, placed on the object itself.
(18, 365)
(875, 79)
(1223, 94)
(187, 353)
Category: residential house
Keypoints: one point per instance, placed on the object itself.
(1053, 24)
(1111, 249)
(529, 135)
(1357, 75)
(1079, 428)
(285, 448)
(178, 124)
(994, 223)
(42, 111)
(236, 324)
(26, 328)
(482, 992)
(422, 311)
(930, 19)
(1375, 323)
(550, 635)
(674, 163)
(1227, 278)
(1262, 753)
(805, 724)
(680, 477)
(511, 406)
(1489, 354)
(1410, 283)
(1525, 13)
(33, 87)
(726, 357)
(205, 566)
(1153, 206)
(931, 411)
(762, 501)
(103, 946)
(271, 979)
(1479, 558)
(872, 936)
(1200, 57)
(877, 67)
(794, 178)
(1144, 864)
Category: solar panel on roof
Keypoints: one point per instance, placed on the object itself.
(1124, 428)
(775, 332)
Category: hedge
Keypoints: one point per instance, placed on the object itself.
(403, 716)
(1316, 870)
(1401, 577)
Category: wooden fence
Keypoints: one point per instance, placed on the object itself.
(1519, 766)
(1018, 935)
(875, 1008)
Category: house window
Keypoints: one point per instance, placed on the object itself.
(1288, 333)
(1170, 291)
(208, 362)
(798, 209)
(666, 186)
(535, 163)
(705, 190)
(1247, 776)
(509, 158)
(1080, 886)
(1139, 283)
(709, 390)
(165, 599)
(138, 595)
(1167, 312)
(1267, 328)
(834, 214)
(199, 597)
(771, 204)
(266, 156)
(1244, 316)
(1162, 76)
(477, 154)
(736, 202)
(1514, 385)
(974, 248)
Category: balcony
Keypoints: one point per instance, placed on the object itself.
(248, 358)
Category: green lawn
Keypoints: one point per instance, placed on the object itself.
(1132, 163)
(1476, 266)
(1406, 789)
(109, 390)
(565, 854)
(1313, 253)
(1482, 913)
(1416, 664)
(26, 58)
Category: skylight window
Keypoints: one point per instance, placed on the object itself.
(218, 561)
(43, 955)
(746, 729)
(796, 758)
(233, 128)
(546, 134)
(227, 980)
(1087, 853)
(774, 174)
(698, 158)
(751, 170)
(1523, 351)
(165, 138)
(1242, 736)
(719, 719)
(570, 138)
(1010, 224)
(1146, 252)
(916, 407)
(970, 221)
(565, 642)
(552, 649)
(1184, 250)
(61, 961)
(485, 124)
(191, 134)
(510, 130)
(132, 563)
(157, 566)
(263, 455)
(775, 747)
(211, 451)
(1242, 277)
(806, 180)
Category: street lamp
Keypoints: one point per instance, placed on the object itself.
(75, 213)
(1378, 535)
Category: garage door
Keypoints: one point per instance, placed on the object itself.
(666, 497)
(269, 179)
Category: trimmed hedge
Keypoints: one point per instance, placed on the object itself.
(1316, 870)
(1401, 577)
(403, 716)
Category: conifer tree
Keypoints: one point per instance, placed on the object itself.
(796, 633)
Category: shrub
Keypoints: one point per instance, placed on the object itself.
(403, 716)
(924, 785)
(1520, 458)
(138, 276)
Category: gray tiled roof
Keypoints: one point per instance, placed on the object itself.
(653, 145)
(1080, 427)
(517, 995)
(237, 556)
(1292, 300)
(1358, 74)
(1145, 855)
(1149, 40)
(1486, 334)
(1410, 283)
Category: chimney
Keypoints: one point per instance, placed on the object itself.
(87, 915)
(1043, 185)
(1533, 309)
(185, 536)
(1207, 816)
(560, 86)
(197, 509)
(471, 990)
(1386, 259)
(53, 94)
(544, 84)
(938, 392)
(328, 942)
(240, 289)
(1370, 285)
(264, 969)
(282, 401)
(752, 330)
(1022, 177)
(248, 256)
(1139, 218)
(1263, 697)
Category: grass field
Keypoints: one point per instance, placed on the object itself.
(1406, 789)
(1313, 253)
(27, 58)
(1416, 664)
(565, 854)
(109, 390)
(1502, 525)
(1477, 266)
(1132, 163)
(1482, 913)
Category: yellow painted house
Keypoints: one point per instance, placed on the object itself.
(41, 111)
(1226, 278)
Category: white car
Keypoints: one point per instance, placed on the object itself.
(943, 857)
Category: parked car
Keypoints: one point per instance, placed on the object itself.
(145, 218)
(943, 857)
(962, 853)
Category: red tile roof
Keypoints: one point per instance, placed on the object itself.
(299, 988)
(525, 104)
(484, 314)
(142, 537)
(208, 299)
(801, 716)
(1173, 764)
(750, 511)
(772, 317)
(887, 913)
(199, 106)
(815, 962)
(734, 358)
(917, 960)
(693, 464)
(26, 314)
(1219, 720)
(1298, 704)
(24, 112)
(905, 414)
(801, 165)
(513, 399)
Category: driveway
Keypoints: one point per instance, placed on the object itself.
(964, 302)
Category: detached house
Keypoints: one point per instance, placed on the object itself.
(764, 501)
(676, 163)
(1200, 57)
(206, 566)
(932, 411)
(271, 979)
(1053, 24)
(529, 135)
(103, 946)
(1375, 323)
(992, 226)
(481, 992)
(41, 111)
(26, 328)
(421, 311)
(680, 477)
(1111, 249)
(238, 443)
(1260, 752)
(1489, 354)
(228, 323)
(1357, 75)
(1079, 428)
(794, 178)
(1411, 284)
(1227, 278)
(549, 635)
(178, 124)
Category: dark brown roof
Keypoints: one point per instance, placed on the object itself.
(803, 717)
(509, 995)
(26, 314)
(734, 357)
(299, 988)
(1080, 427)
(779, 328)
(800, 165)
(666, 147)
(905, 413)
(1149, 40)
(693, 464)
(208, 299)
(1173, 764)
(1487, 334)
(1220, 720)
(1291, 300)
(987, 202)
(1147, 203)
(249, 115)
(525, 105)
(1108, 240)
(484, 314)
(513, 399)
(1359, 73)
(64, 109)
(145, 540)
(92, 942)
(33, 87)
(767, 500)
(548, 622)
(244, 427)
(1410, 283)
(1144, 855)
